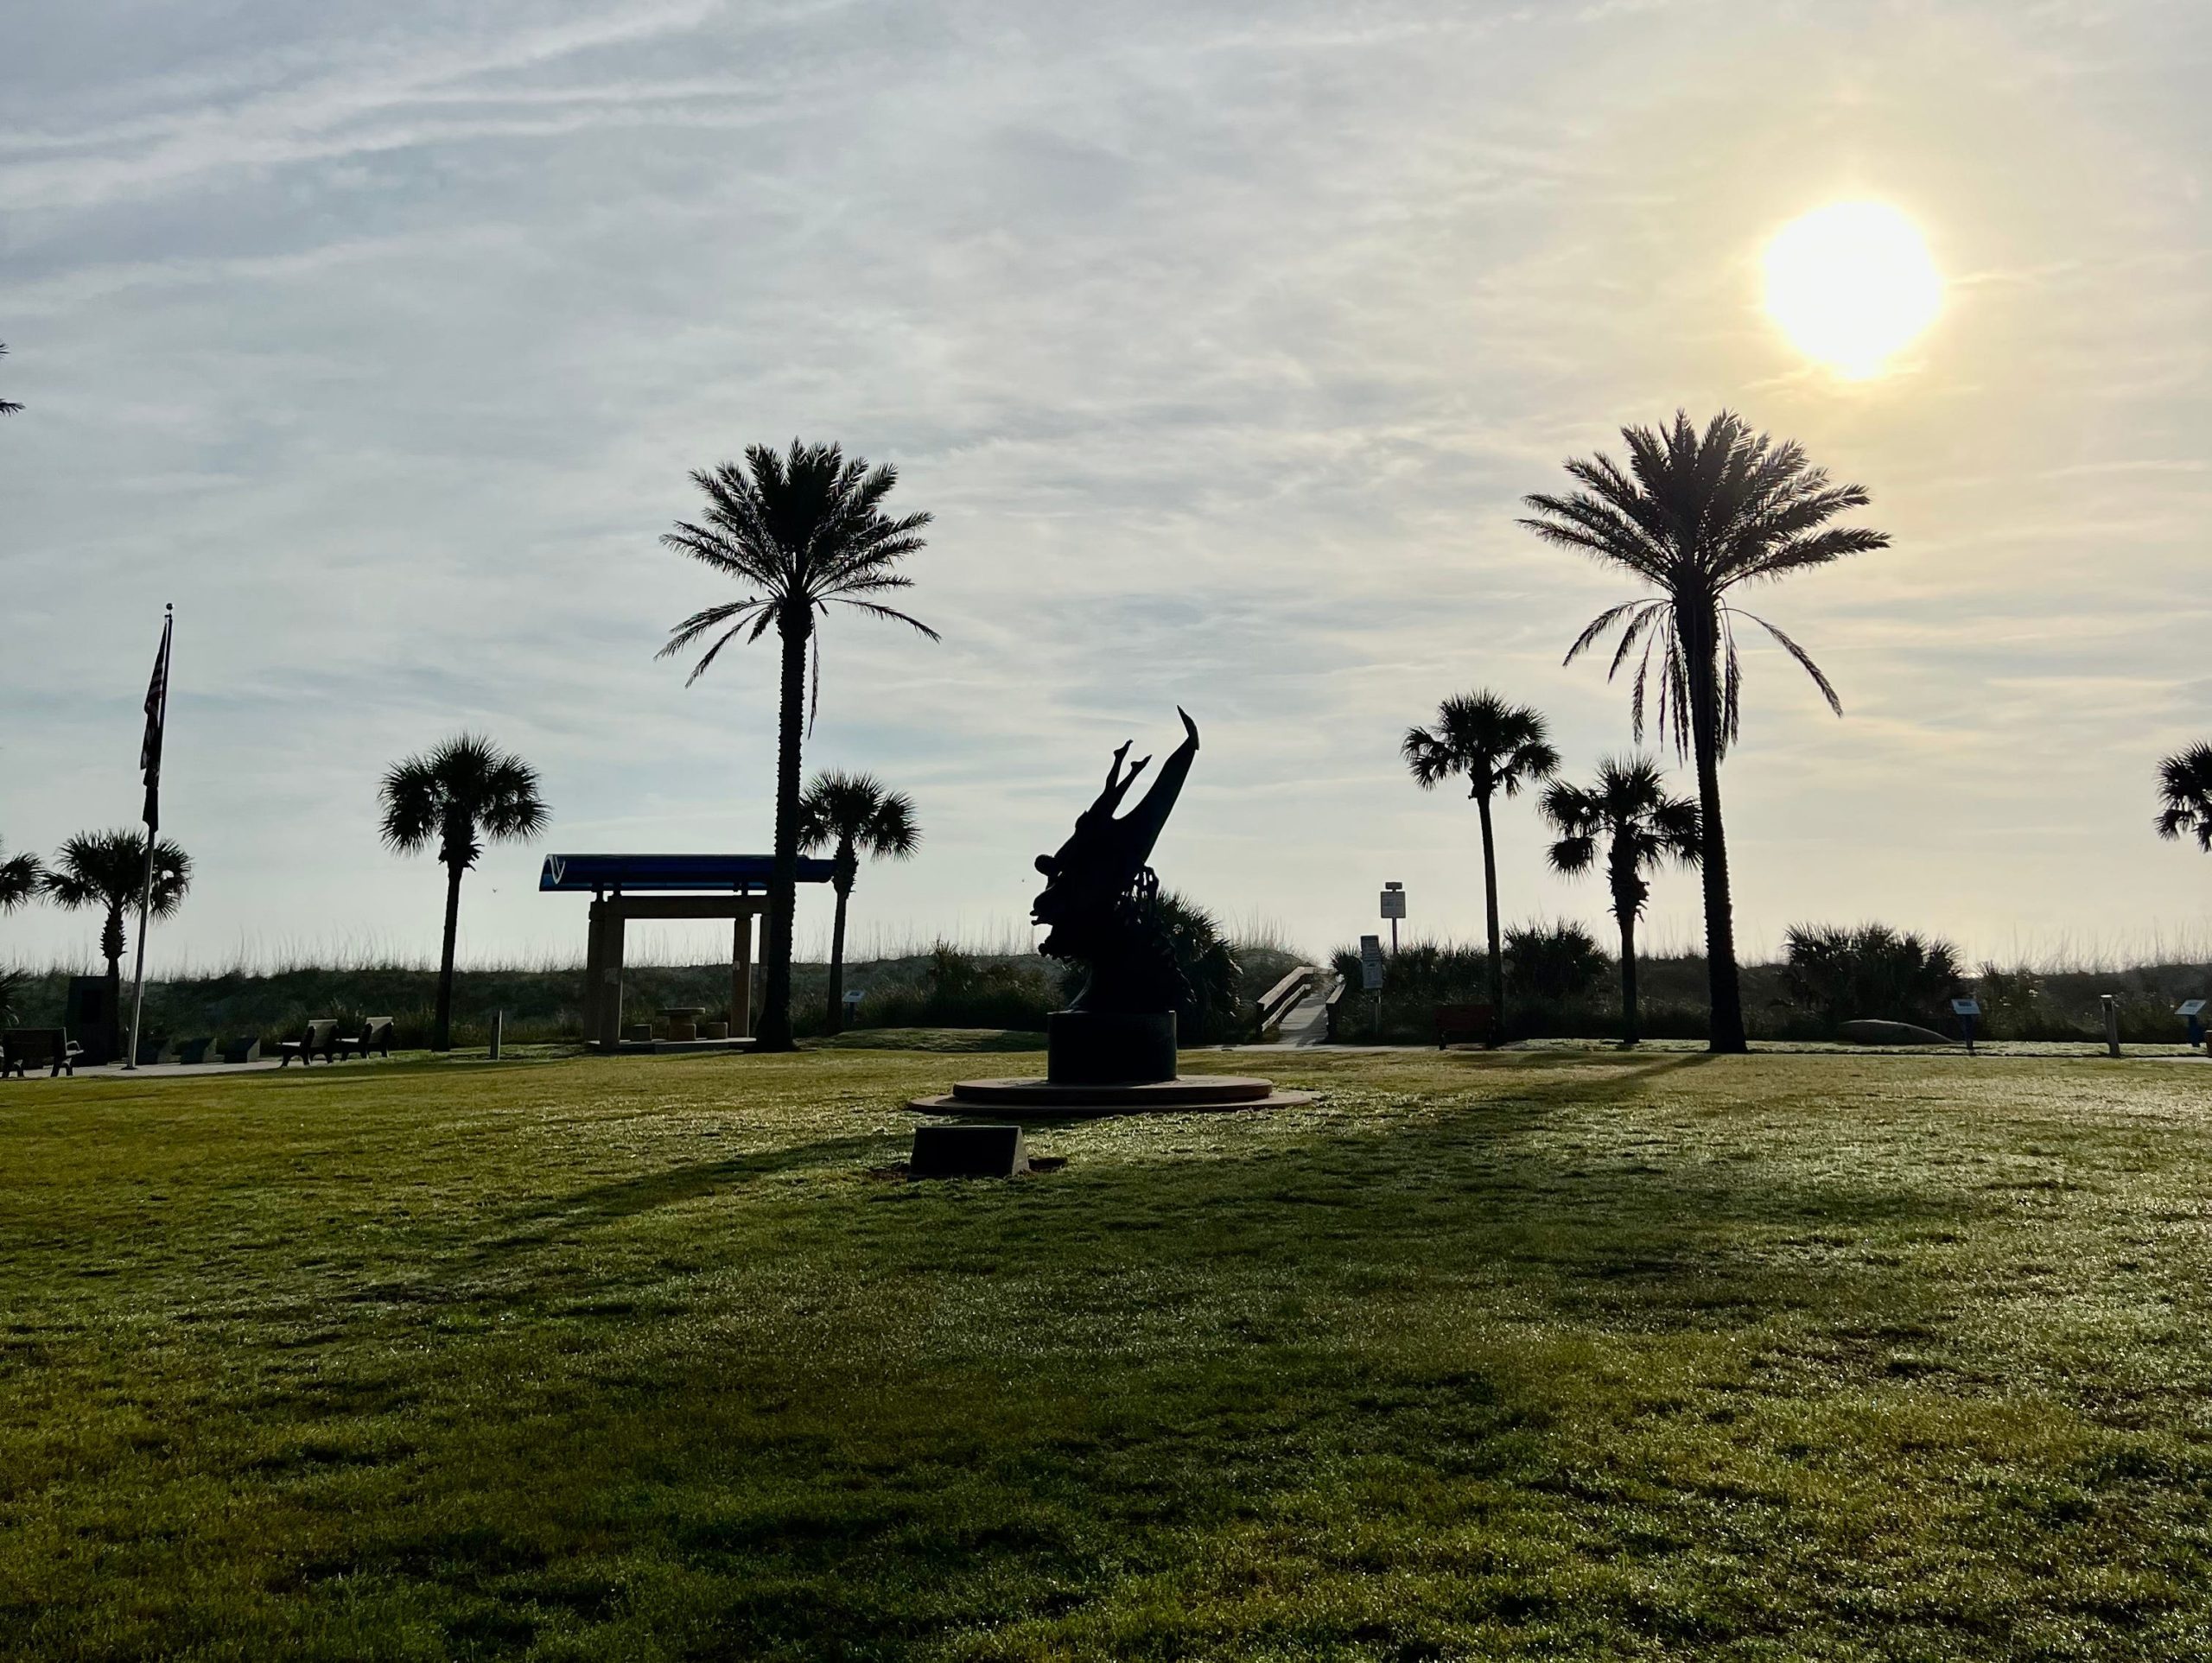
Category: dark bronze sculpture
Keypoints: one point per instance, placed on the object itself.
(1101, 901)
(1112, 1052)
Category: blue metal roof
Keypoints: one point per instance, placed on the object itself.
(634, 872)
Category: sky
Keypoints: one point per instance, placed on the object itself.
(1221, 341)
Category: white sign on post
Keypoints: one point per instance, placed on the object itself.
(1394, 902)
(1370, 964)
(1966, 1008)
(2189, 1007)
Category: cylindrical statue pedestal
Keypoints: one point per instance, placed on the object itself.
(1110, 1048)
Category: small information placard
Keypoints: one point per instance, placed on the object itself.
(1966, 1008)
(1370, 964)
(2189, 1007)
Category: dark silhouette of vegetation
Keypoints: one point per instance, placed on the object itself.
(1215, 1011)
(463, 794)
(107, 871)
(21, 878)
(799, 531)
(7, 408)
(1551, 964)
(1871, 972)
(1697, 517)
(1628, 819)
(1496, 748)
(851, 815)
(2185, 795)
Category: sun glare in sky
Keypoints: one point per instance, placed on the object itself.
(1850, 284)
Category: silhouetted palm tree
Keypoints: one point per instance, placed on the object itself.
(853, 815)
(2185, 791)
(7, 409)
(21, 878)
(1497, 747)
(108, 870)
(799, 531)
(1643, 826)
(1696, 515)
(463, 794)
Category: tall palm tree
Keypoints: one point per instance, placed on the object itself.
(853, 815)
(463, 794)
(1696, 516)
(1497, 747)
(107, 869)
(2185, 791)
(798, 531)
(21, 878)
(1643, 826)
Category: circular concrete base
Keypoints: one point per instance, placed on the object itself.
(1044, 1099)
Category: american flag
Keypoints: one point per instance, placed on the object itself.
(157, 710)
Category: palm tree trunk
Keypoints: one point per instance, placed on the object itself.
(1701, 645)
(775, 1031)
(1630, 1031)
(111, 950)
(1489, 901)
(441, 1020)
(844, 887)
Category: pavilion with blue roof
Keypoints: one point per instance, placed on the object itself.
(626, 886)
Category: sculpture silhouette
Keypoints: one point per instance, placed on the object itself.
(1101, 900)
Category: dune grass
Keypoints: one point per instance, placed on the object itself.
(1580, 1355)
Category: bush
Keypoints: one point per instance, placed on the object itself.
(1554, 965)
(1838, 974)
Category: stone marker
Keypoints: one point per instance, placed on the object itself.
(968, 1151)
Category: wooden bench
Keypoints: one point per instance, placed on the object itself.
(375, 1035)
(1475, 1022)
(50, 1049)
(319, 1038)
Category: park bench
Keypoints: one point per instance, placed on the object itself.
(1475, 1022)
(50, 1049)
(319, 1038)
(375, 1035)
(195, 1050)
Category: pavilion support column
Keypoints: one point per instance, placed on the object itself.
(740, 977)
(595, 926)
(610, 978)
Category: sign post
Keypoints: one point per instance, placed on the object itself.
(1394, 908)
(2111, 1003)
(1370, 975)
(1966, 1009)
(2193, 1010)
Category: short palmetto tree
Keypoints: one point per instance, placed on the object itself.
(1696, 516)
(106, 871)
(2185, 795)
(1628, 819)
(6, 408)
(1498, 748)
(798, 531)
(21, 878)
(852, 816)
(465, 794)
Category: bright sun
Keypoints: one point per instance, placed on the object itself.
(1850, 284)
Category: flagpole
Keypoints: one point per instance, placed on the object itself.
(159, 720)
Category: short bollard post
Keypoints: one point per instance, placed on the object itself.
(2112, 1024)
(499, 1024)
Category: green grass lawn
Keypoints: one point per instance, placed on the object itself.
(1583, 1356)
